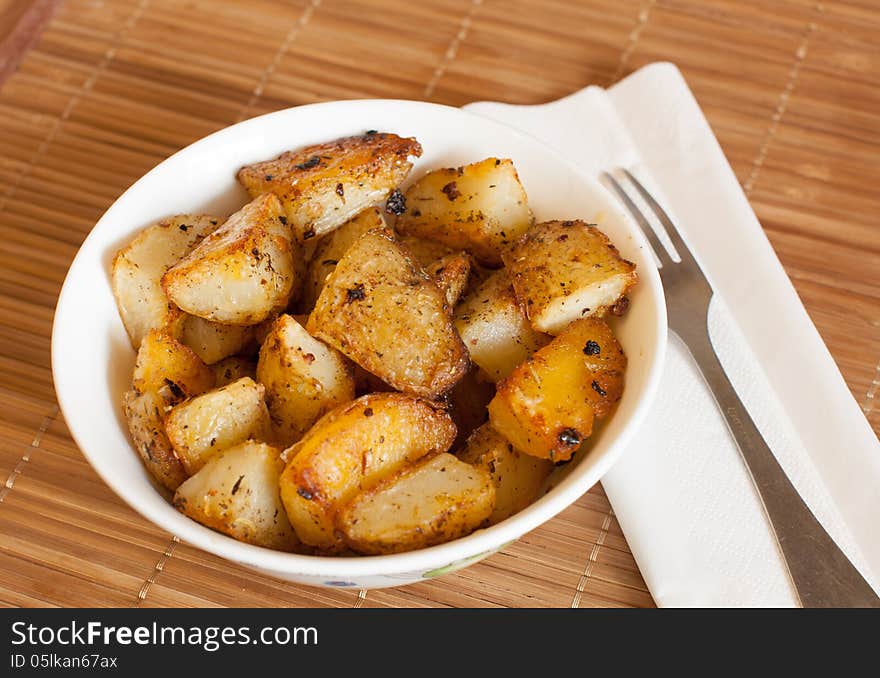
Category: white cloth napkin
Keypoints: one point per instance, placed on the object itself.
(681, 492)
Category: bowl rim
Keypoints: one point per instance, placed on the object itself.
(481, 542)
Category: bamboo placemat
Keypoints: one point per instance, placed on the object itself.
(111, 88)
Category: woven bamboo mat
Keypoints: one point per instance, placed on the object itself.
(109, 89)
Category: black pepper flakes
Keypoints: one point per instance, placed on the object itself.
(329, 262)
(304, 493)
(340, 190)
(569, 437)
(371, 132)
(183, 227)
(314, 161)
(598, 389)
(283, 219)
(237, 484)
(592, 348)
(309, 234)
(356, 293)
(621, 307)
(268, 177)
(368, 412)
(396, 203)
(451, 191)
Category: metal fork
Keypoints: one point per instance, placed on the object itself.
(822, 575)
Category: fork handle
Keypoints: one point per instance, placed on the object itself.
(822, 575)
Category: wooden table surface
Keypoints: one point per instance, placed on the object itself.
(93, 94)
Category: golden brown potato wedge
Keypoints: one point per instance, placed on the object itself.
(323, 186)
(330, 250)
(144, 414)
(479, 208)
(429, 502)
(546, 407)
(137, 271)
(494, 328)
(232, 369)
(304, 378)
(565, 270)
(352, 448)
(380, 309)
(242, 272)
(236, 493)
(211, 341)
(166, 366)
(518, 478)
(603, 358)
(451, 274)
(201, 427)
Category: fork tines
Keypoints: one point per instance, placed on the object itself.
(663, 254)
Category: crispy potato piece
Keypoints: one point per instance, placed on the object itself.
(304, 378)
(137, 271)
(479, 208)
(468, 400)
(380, 309)
(518, 478)
(604, 359)
(424, 251)
(323, 186)
(451, 274)
(213, 341)
(352, 448)
(429, 502)
(232, 369)
(144, 414)
(494, 328)
(547, 405)
(203, 426)
(565, 270)
(243, 271)
(236, 493)
(330, 250)
(164, 364)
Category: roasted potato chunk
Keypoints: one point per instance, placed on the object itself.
(451, 274)
(430, 502)
(518, 478)
(304, 378)
(494, 328)
(546, 407)
(211, 341)
(166, 366)
(323, 186)
(232, 369)
(144, 413)
(330, 250)
(214, 421)
(479, 208)
(236, 493)
(565, 270)
(380, 309)
(137, 271)
(352, 448)
(241, 273)
(604, 359)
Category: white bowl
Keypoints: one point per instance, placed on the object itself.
(92, 359)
